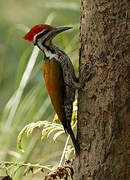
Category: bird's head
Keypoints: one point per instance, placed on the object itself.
(43, 34)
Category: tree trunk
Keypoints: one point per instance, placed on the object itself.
(104, 108)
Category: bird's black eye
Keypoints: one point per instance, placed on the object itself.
(40, 35)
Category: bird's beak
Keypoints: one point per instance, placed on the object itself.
(60, 29)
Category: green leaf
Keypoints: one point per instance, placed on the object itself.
(19, 139)
(38, 170)
(27, 171)
(28, 129)
(57, 134)
(48, 128)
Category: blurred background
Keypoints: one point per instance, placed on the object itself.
(23, 97)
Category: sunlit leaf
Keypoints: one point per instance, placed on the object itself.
(57, 134)
(55, 118)
(47, 126)
(27, 171)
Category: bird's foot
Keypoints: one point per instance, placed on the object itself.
(87, 74)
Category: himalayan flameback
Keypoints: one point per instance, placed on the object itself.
(59, 75)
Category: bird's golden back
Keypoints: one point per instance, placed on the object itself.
(55, 85)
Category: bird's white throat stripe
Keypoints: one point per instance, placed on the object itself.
(48, 53)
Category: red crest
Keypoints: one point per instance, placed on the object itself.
(36, 29)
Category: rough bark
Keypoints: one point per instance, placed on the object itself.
(104, 108)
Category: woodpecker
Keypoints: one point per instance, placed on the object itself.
(59, 75)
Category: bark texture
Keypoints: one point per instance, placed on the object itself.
(104, 104)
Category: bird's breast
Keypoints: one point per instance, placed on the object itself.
(55, 84)
(53, 75)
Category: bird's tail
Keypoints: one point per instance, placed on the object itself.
(75, 142)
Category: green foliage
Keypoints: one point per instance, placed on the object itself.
(64, 171)
(48, 128)
(24, 102)
(13, 167)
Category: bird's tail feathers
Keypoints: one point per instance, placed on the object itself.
(75, 143)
